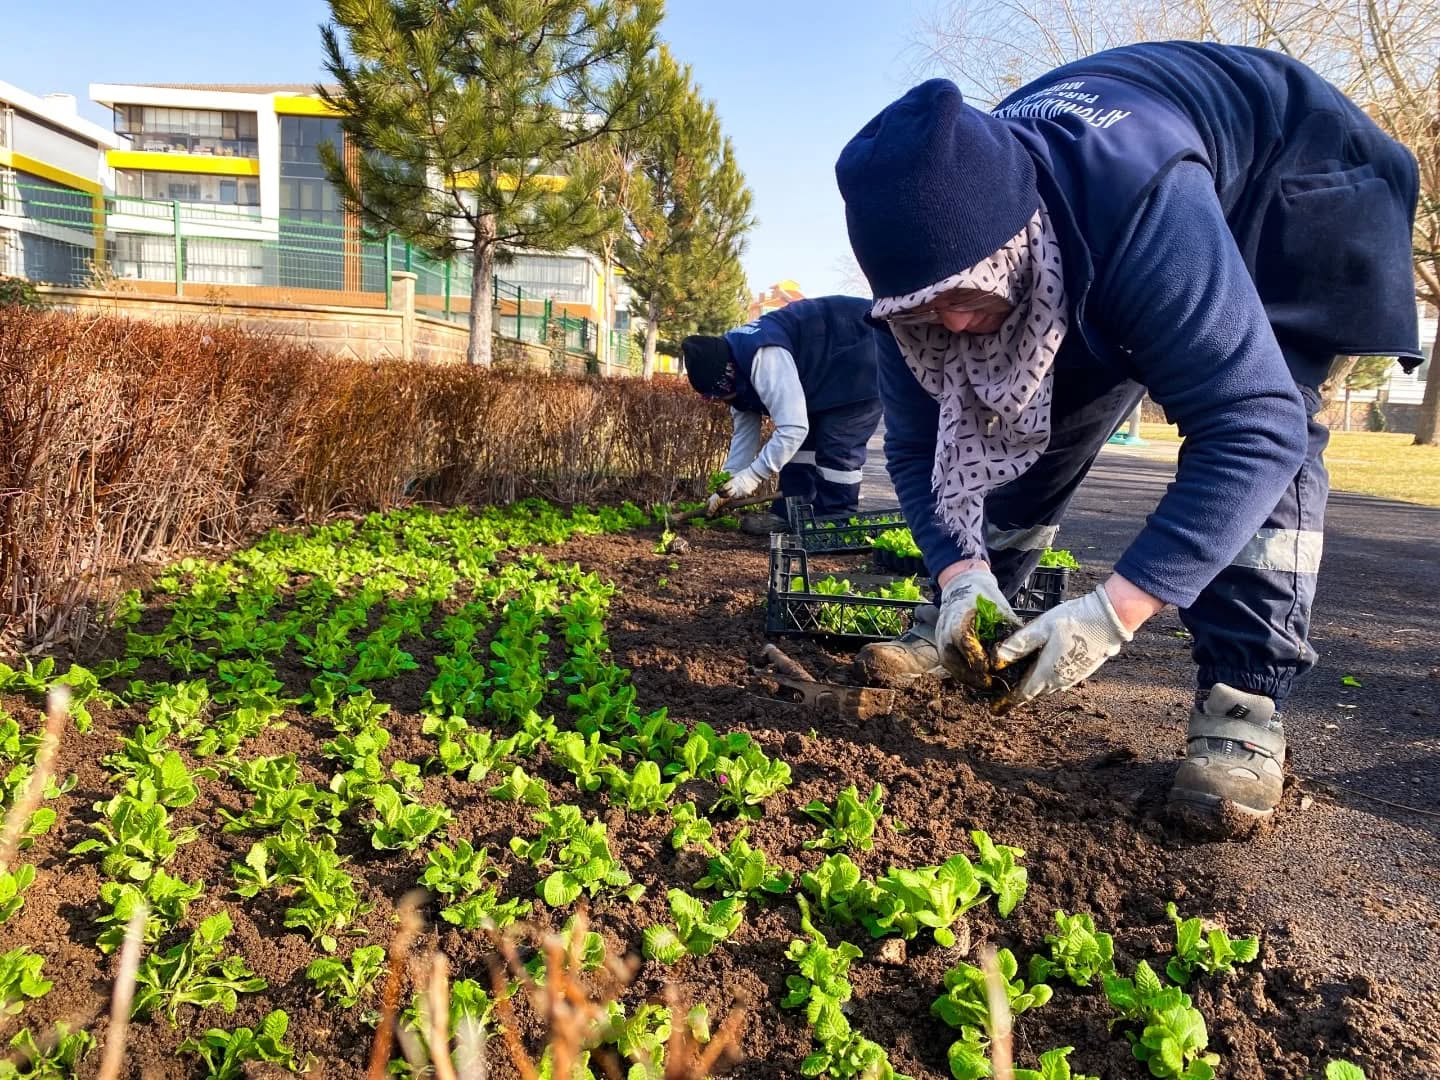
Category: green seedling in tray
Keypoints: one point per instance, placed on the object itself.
(1058, 559)
(898, 542)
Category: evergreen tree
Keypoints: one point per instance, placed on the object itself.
(470, 115)
(686, 209)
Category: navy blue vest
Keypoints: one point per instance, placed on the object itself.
(835, 351)
(1318, 198)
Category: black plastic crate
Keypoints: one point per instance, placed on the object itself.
(793, 611)
(1043, 590)
(851, 532)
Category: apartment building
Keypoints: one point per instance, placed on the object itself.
(249, 205)
(52, 178)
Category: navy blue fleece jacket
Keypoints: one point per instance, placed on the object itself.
(1181, 300)
(1207, 199)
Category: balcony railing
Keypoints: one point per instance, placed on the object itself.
(169, 143)
(199, 210)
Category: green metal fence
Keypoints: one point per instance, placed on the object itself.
(71, 238)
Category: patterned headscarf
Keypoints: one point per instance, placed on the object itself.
(993, 389)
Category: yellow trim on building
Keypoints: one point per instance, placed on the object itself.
(11, 160)
(97, 222)
(302, 105)
(160, 161)
(507, 182)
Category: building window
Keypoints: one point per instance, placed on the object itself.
(239, 195)
(189, 131)
(206, 260)
(565, 278)
(305, 194)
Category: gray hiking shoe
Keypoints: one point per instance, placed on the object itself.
(909, 657)
(1234, 754)
(762, 524)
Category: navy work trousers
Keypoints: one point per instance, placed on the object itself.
(1251, 624)
(827, 469)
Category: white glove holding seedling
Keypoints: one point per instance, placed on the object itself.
(960, 649)
(738, 486)
(1073, 639)
(741, 485)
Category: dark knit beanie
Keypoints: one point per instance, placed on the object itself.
(931, 187)
(707, 360)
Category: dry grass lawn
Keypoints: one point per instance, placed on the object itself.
(1373, 463)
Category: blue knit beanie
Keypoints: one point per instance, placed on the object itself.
(931, 187)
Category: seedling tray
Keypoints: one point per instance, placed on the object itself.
(792, 611)
(1043, 590)
(852, 532)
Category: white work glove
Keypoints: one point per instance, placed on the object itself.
(1074, 639)
(739, 486)
(960, 649)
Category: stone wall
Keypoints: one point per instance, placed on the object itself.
(394, 333)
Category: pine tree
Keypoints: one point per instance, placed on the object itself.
(469, 117)
(686, 210)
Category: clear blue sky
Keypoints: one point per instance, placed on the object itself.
(793, 81)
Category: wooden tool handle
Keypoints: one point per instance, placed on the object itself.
(787, 666)
(737, 504)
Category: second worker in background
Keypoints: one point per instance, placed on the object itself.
(811, 368)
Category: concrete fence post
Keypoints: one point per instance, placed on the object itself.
(402, 299)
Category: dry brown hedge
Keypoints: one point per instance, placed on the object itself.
(122, 440)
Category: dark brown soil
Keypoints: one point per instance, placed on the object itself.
(1078, 782)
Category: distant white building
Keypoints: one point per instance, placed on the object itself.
(53, 176)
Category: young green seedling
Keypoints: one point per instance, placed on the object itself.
(21, 979)
(841, 895)
(821, 987)
(196, 972)
(225, 1053)
(520, 787)
(997, 869)
(461, 875)
(930, 896)
(965, 1002)
(134, 838)
(165, 898)
(1172, 1037)
(743, 871)
(58, 1059)
(1210, 953)
(1053, 558)
(402, 823)
(642, 790)
(690, 827)
(13, 884)
(850, 823)
(747, 780)
(579, 851)
(1078, 951)
(346, 984)
(698, 927)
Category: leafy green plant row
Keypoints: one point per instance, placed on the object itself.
(1166, 1032)
(930, 897)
